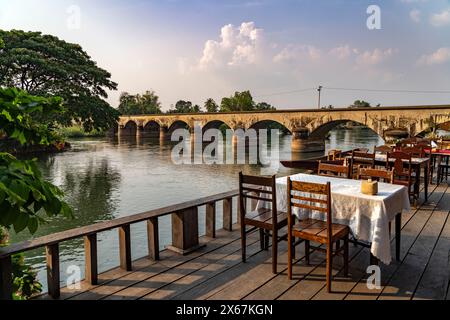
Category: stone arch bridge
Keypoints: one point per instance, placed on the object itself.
(308, 127)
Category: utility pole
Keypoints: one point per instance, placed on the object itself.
(319, 90)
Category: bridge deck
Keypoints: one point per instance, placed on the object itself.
(216, 271)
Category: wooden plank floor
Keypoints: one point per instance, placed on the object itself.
(216, 271)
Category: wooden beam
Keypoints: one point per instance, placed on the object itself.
(90, 253)
(53, 274)
(211, 220)
(153, 238)
(227, 218)
(6, 289)
(125, 247)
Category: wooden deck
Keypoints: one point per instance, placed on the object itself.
(216, 271)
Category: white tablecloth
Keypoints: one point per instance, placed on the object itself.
(367, 216)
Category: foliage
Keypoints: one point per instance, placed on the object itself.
(243, 101)
(185, 107)
(16, 108)
(47, 66)
(24, 194)
(77, 131)
(147, 103)
(211, 105)
(360, 104)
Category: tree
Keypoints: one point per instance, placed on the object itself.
(147, 103)
(185, 107)
(24, 194)
(241, 101)
(47, 66)
(264, 106)
(211, 105)
(360, 104)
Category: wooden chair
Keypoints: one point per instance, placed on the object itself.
(415, 151)
(363, 159)
(403, 171)
(443, 168)
(268, 220)
(384, 149)
(381, 175)
(333, 170)
(362, 150)
(333, 154)
(304, 195)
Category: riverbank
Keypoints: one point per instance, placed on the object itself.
(13, 147)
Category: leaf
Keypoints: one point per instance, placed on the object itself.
(33, 224)
(21, 222)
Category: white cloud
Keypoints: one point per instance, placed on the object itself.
(375, 57)
(440, 19)
(413, 1)
(298, 52)
(440, 56)
(415, 15)
(237, 46)
(343, 52)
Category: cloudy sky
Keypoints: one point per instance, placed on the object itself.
(280, 50)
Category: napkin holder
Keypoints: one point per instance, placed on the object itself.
(369, 187)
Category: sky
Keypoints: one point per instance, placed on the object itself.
(280, 50)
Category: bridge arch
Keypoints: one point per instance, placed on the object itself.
(270, 124)
(321, 131)
(129, 129)
(215, 124)
(178, 124)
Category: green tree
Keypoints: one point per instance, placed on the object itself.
(360, 104)
(211, 105)
(261, 106)
(243, 101)
(47, 66)
(147, 103)
(184, 107)
(25, 196)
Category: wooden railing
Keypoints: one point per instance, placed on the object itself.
(185, 238)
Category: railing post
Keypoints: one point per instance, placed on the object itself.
(185, 231)
(228, 214)
(6, 280)
(211, 220)
(53, 275)
(153, 238)
(125, 247)
(90, 253)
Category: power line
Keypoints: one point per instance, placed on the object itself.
(390, 90)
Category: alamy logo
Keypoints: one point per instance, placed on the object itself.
(374, 20)
(74, 18)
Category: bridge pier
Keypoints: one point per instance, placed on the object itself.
(301, 142)
(163, 134)
(391, 136)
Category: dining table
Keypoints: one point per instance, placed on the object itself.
(368, 216)
(418, 165)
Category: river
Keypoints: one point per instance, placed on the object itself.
(107, 178)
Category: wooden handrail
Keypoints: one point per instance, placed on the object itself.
(108, 225)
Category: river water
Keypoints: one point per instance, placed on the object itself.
(107, 178)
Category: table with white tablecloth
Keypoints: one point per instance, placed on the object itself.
(368, 216)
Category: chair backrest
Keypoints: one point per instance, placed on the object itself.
(362, 158)
(333, 154)
(333, 170)
(383, 149)
(362, 150)
(402, 164)
(310, 196)
(376, 174)
(257, 188)
(416, 151)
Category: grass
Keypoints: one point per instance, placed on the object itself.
(78, 132)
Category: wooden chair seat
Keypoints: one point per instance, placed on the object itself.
(316, 230)
(263, 218)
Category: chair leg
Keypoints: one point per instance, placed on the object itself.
(329, 265)
(243, 242)
(338, 245)
(398, 228)
(390, 227)
(290, 241)
(274, 250)
(266, 240)
(307, 247)
(262, 238)
(346, 256)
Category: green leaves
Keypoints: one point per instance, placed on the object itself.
(24, 195)
(17, 109)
